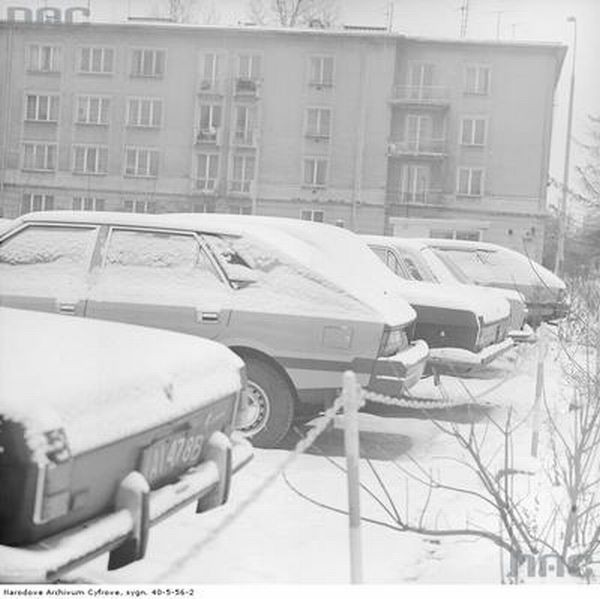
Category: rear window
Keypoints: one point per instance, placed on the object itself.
(264, 273)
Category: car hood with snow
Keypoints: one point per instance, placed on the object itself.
(104, 381)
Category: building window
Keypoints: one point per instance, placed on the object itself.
(44, 59)
(315, 172)
(414, 183)
(321, 71)
(207, 172)
(39, 156)
(463, 234)
(473, 132)
(420, 79)
(141, 162)
(203, 207)
(144, 112)
(85, 203)
(245, 118)
(210, 71)
(243, 173)
(96, 61)
(36, 202)
(318, 122)
(317, 216)
(90, 160)
(240, 210)
(477, 79)
(148, 63)
(141, 206)
(470, 181)
(92, 110)
(209, 123)
(249, 66)
(41, 108)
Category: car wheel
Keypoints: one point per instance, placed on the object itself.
(267, 409)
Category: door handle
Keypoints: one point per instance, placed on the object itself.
(67, 307)
(212, 317)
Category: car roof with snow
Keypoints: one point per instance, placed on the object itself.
(335, 253)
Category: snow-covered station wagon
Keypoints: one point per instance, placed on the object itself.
(262, 286)
(105, 430)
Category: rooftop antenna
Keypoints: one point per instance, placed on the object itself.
(390, 16)
(499, 14)
(464, 18)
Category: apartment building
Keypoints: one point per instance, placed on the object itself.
(372, 131)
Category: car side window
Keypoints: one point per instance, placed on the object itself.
(152, 257)
(52, 255)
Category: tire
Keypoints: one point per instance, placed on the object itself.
(270, 409)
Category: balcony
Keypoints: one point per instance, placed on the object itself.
(421, 95)
(210, 136)
(245, 139)
(211, 87)
(427, 197)
(246, 87)
(421, 148)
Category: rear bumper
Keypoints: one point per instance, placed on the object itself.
(53, 557)
(454, 359)
(396, 374)
(524, 335)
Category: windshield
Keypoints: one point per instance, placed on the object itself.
(445, 262)
(269, 278)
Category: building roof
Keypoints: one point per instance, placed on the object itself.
(352, 32)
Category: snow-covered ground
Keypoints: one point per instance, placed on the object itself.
(283, 537)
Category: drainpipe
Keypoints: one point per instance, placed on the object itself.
(360, 142)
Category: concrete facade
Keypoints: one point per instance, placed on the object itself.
(357, 129)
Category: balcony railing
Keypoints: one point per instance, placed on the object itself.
(208, 136)
(247, 87)
(418, 147)
(428, 196)
(246, 139)
(211, 86)
(421, 94)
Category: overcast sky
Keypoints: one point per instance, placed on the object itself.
(541, 20)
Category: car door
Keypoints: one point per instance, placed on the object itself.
(45, 267)
(159, 278)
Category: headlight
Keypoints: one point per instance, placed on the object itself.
(393, 341)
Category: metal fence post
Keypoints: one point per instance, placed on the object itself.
(351, 442)
(539, 388)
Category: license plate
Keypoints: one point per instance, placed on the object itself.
(170, 456)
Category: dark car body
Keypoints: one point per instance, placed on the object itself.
(463, 330)
(492, 265)
(105, 430)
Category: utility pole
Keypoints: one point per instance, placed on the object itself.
(562, 224)
(499, 14)
(390, 17)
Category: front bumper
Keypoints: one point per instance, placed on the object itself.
(457, 360)
(396, 374)
(53, 557)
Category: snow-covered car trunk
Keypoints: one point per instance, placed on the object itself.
(85, 404)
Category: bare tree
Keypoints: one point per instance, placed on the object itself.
(294, 13)
(181, 11)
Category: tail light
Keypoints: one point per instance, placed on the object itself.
(393, 340)
(53, 496)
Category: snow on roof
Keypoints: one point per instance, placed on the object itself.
(336, 254)
(103, 381)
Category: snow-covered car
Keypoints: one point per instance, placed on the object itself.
(496, 266)
(464, 331)
(415, 260)
(264, 290)
(105, 430)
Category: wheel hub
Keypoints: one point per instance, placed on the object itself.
(253, 411)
